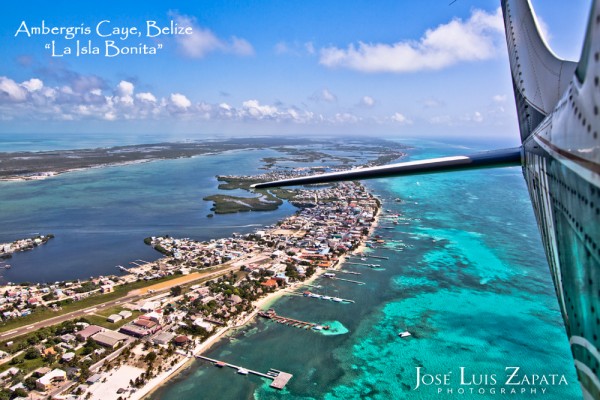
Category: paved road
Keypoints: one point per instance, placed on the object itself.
(130, 297)
(64, 317)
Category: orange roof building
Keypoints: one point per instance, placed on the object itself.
(270, 283)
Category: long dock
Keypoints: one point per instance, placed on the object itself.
(378, 257)
(371, 256)
(279, 378)
(324, 297)
(347, 280)
(364, 264)
(293, 322)
(271, 314)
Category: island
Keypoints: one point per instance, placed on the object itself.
(124, 335)
(24, 165)
(7, 249)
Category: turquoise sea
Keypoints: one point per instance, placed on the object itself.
(466, 275)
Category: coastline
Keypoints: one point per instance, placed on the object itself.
(159, 381)
(23, 166)
(52, 174)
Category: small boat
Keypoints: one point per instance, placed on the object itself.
(326, 298)
(404, 334)
(326, 327)
(317, 327)
(219, 364)
(242, 371)
(337, 299)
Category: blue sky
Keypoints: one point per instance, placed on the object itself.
(412, 68)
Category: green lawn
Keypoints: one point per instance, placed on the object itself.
(101, 320)
(26, 366)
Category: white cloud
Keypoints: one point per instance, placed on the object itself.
(110, 116)
(544, 30)
(294, 48)
(121, 102)
(33, 84)
(478, 38)
(203, 41)
(345, 118)
(125, 93)
(146, 96)
(180, 101)
(499, 98)
(400, 119)
(125, 88)
(200, 43)
(11, 90)
(328, 96)
(241, 47)
(367, 101)
(324, 95)
(475, 117)
(254, 109)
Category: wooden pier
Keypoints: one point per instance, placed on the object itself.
(347, 280)
(379, 257)
(293, 322)
(270, 314)
(364, 264)
(324, 297)
(371, 256)
(279, 378)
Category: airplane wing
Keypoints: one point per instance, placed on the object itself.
(487, 159)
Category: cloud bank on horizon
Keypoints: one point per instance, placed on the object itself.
(287, 81)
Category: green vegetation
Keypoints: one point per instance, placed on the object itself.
(32, 353)
(162, 250)
(28, 353)
(236, 182)
(267, 200)
(42, 313)
(101, 321)
(176, 291)
(225, 204)
(99, 317)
